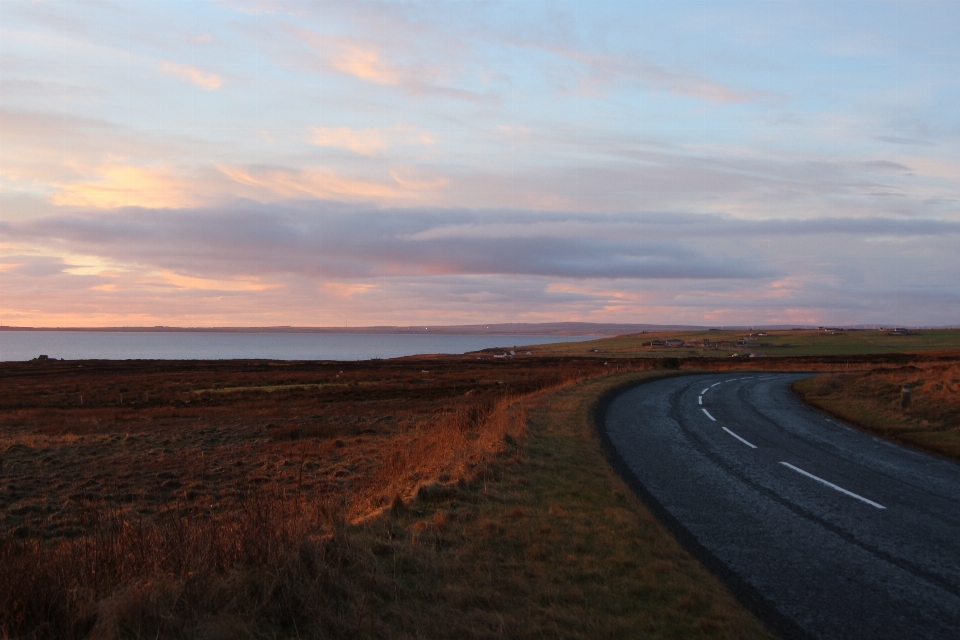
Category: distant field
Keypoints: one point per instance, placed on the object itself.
(723, 344)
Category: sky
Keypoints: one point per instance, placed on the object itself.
(263, 163)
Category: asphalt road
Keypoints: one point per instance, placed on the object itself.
(823, 530)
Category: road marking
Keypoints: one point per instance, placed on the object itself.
(752, 446)
(700, 400)
(833, 486)
(708, 414)
(705, 390)
(716, 383)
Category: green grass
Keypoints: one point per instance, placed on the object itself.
(776, 343)
(551, 544)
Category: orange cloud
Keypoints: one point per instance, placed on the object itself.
(119, 185)
(364, 63)
(322, 183)
(189, 282)
(366, 142)
(202, 79)
(347, 289)
(369, 142)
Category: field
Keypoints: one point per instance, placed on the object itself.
(380, 499)
(117, 471)
(723, 344)
(142, 435)
(411, 498)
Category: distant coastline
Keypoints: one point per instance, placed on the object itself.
(506, 329)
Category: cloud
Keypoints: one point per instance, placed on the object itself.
(279, 262)
(905, 141)
(32, 265)
(326, 239)
(369, 142)
(276, 183)
(597, 70)
(207, 284)
(120, 185)
(400, 67)
(366, 142)
(362, 62)
(361, 243)
(203, 79)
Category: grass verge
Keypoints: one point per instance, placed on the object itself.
(551, 544)
(872, 401)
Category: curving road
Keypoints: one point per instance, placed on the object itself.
(823, 530)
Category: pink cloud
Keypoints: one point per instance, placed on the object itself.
(203, 79)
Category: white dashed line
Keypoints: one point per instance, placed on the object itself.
(708, 414)
(752, 446)
(716, 383)
(700, 400)
(833, 486)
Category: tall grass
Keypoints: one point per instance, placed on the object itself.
(279, 564)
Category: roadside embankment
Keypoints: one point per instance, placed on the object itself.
(929, 418)
(550, 543)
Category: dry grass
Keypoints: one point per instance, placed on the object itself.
(173, 515)
(435, 498)
(444, 498)
(872, 400)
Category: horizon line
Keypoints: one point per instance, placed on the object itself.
(493, 327)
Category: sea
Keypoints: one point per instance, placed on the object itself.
(206, 345)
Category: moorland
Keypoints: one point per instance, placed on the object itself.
(418, 497)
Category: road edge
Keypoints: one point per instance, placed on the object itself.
(746, 594)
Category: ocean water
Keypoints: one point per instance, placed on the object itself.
(116, 345)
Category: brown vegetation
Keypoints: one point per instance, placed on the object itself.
(144, 497)
(241, 499)
(872, 400)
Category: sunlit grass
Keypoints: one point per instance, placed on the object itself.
(872, 400)
(775, 343)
